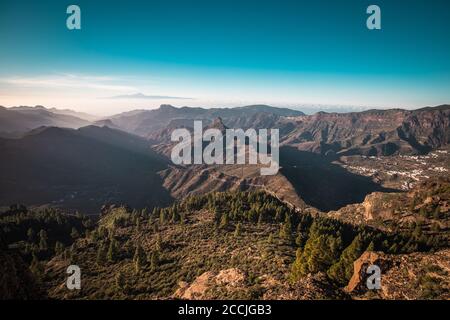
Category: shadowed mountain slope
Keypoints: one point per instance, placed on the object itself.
(18, 120)
(80, 169)
(321, 183)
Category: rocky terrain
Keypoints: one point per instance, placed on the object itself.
(352, 190)
(427, 205)
(370, 133)
(325, 157)
(150, 123)
(200, 179)
(404, 277)
(247, 245)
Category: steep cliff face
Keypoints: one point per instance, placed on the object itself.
(427, 128)
(373, 132)
(427, 206)
(375, 207)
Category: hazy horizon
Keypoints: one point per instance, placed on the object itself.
(308, 109)
(223, 54)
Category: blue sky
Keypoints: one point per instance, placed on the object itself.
(224, 53)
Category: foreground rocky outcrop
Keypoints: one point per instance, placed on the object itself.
(406, 276)
(203, 287)
(233, 281)
(360, 274)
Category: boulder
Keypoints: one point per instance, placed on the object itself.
(357, 282)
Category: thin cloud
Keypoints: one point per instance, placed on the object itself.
(144, 96)
(70, 81)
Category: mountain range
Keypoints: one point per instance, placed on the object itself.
(372, 132)
(18, 120)
(353, 189)
(44, 154)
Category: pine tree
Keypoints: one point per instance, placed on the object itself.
(217, 216)
(31, 235)
(134, 218)
(437, 212)
(183, 219)
(120, 281)
(138, 224)
(279, 214)
(286, 229)
(270, 239)
(262, 217)
(154, 260)
(417, 233)
(296, 269)
(300, 240)
(59, 247)
(413, 205)
(175, 215)
(155, 213)
(112, 251)
(158, 243)
(371, 246)
(423, 212)
(393, 248)
(43, 240)
(74, 234)
(139, 259)
(322, 249)
(435, 227)
(342, 270)
(101, 254)
(137, 265)
(162, 216)
(385, 245)
(224, 221)
(36, 267)
(72, 252)
(238, 231)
